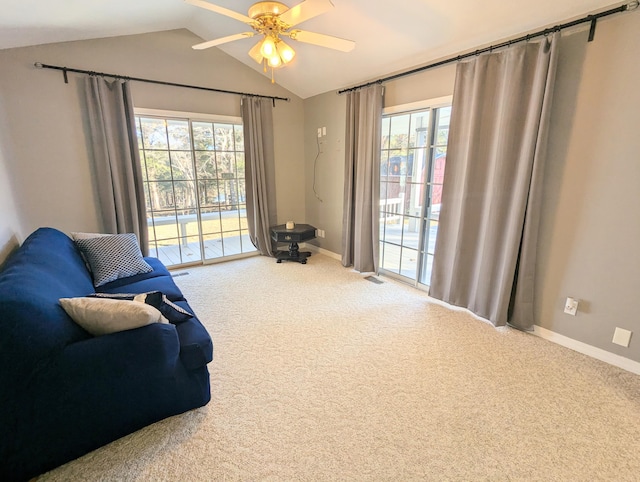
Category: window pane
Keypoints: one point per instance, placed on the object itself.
(212, 246)
(178, 131)
(166, 225)
(242, 191)
(182, 165)
(413, 199)
(386, 122)
(409, 262)
(202, 136)
(239, 138)
(399, 133)
(419, 129)
(185, 195)
(240, 165)
(384, 165)
(154, 133)
(224, 137)
(247, 245)
(206, 165)
(231, 243)
(188, 223)
(391, 260)
(226, 165)
(211, 223)
(230, 221)
(427, 266)
(410, 233)
(190, 249)
(158, 165)
(208, 194)
(444, 116)
(161, 195)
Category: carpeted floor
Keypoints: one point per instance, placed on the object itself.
(319, 374)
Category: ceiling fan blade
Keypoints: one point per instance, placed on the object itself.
(220, 10)
(222, 40)
(304, 11)
(328, 41)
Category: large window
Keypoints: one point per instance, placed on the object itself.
(413, 157)
(193, 172)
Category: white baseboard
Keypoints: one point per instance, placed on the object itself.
(315, 249)
(589, 350)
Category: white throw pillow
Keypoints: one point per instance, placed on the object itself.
(101, 316)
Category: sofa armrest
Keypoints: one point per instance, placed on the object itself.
(153, 347)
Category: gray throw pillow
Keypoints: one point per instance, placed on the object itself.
(113, 257)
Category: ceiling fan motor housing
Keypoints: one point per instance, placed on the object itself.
(271, 9)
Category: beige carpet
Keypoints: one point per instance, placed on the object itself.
(319, 374)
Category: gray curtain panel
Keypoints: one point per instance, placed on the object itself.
(257, 120)
(361, 216)
(116, 159)
(485, 254)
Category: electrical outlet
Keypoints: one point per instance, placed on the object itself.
(320, 233)
(621, 337)
(324, 131)
(571, 306)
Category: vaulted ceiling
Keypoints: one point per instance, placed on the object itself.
(390, 36)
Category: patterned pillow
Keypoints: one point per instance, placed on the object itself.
(113, 257)
(172, 312)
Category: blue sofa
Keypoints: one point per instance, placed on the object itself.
(63, 392)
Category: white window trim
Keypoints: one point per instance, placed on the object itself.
(193, 116)
(420, 105)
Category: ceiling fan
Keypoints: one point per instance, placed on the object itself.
(274, 20)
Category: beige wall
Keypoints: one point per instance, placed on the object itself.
(10, 230)
(49, 168)
(324, 160)
(591, 226)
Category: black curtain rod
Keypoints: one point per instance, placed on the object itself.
(589, 18)
(64, 70)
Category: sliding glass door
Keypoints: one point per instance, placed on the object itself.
(413, 157)
(194, 188)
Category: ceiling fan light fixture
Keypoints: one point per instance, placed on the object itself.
(255, 54)
(275, 61)
(268, 47)
(286, 53)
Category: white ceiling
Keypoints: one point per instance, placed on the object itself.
(390, 35)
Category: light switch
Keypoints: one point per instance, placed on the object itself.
(622, 337)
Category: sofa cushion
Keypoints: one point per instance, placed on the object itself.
(171, 311)
(103, 316)
(196, 347)
(113, 257)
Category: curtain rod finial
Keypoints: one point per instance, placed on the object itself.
(633, 5)
(38, 65)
